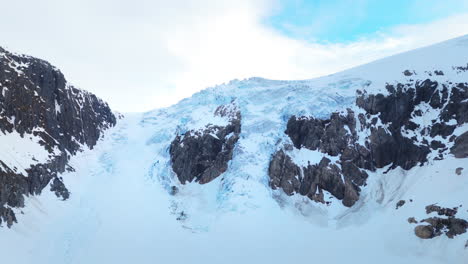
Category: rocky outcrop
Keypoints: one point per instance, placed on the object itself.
(400, 204)
(383, 130)
(451, 226)
(437, 226)
(424, 231)
(460, 148)
(312, 180)
(202, 155)
(36, 101)
(441, 211)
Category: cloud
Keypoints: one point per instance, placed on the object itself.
(143, 54)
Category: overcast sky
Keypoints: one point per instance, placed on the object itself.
(142, 54)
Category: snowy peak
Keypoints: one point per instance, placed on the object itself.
(372, 159)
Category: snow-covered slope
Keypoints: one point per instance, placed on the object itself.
(128, 205)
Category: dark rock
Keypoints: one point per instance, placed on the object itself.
(460, 148)
(450, 226)
(312, 180)
(204, 155)
(408, 73)
(438, 72)
(174, 190)
(441, 211)
(435, 144)
(286, 175)
(7, 215)
(387, 118)
(59, 189)
(400, 204)
(458, 171)
(305, 132)
(424, 231)
(182, 216)
(461, 68)
(43, 104)
(412, 220)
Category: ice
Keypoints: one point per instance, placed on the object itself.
(121, 209)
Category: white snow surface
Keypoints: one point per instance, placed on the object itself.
(120, 210)
(21, 152)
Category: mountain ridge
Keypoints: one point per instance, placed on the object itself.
(365, 172)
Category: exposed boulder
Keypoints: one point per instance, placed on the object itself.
(424, 231)
(400, 204)
(203, 155)
(458, 171)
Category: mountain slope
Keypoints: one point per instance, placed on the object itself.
(136, 197)
(43, 121)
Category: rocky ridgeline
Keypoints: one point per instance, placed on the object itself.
(35, 100)
(382, 130)
(202, 155)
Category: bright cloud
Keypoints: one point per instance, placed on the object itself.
(143, 54)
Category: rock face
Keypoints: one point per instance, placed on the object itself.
(460, 149)
(383, 130)
(36, 101)
(202, 155)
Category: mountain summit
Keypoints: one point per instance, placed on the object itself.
(367, 165)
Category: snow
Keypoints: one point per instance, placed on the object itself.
(305, 157)
(120, 209)
(20, 153)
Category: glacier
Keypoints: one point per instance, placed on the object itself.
(121, 209)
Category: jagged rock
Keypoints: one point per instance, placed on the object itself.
(65, 118)
(424, 231)
(204, 155)
(312, 180)
(400, 204)
(59, 189)
(441, 211)
(450, 226)
(412, 220)
(286, 175)
(460, 148)
(7, 215)
(458, 171)
(386, 118)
